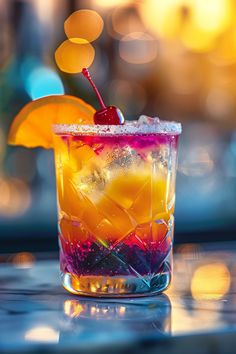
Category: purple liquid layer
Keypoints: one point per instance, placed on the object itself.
(130, 257)
(137, 142)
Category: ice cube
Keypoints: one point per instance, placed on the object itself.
(93, 179)
(148, 120)
(124, 157)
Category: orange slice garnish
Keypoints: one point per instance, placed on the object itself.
(32, 126)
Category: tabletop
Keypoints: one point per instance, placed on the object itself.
(197, 311)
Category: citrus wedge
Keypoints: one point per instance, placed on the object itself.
(32, 126)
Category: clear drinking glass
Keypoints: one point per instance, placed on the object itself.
(116, 197)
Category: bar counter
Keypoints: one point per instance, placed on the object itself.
(196, 314)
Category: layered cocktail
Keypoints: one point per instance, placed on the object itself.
(116, 197)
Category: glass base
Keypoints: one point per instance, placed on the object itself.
(118, 286)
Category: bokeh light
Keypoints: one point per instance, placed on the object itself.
(197, 40)
(210, 281)
(42, 334)
(73, 55)
(44, 16)
(165, 18)
(189, 251)
(122, 310)
(183, 74)
(43, 81)
(124, 20)
(138, 48)
(111, 3)
(219, 104)
(129, 96)
(212, 16)
(23, 260)
(15, 197)
(86, 24)
(225, 51)
(198, 162)
(196, 23)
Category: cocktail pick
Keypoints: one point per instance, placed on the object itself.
(109, 115)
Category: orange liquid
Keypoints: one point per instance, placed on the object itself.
(116, 200)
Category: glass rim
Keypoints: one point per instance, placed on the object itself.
(130, 128)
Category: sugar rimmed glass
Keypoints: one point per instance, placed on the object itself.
(116, 197)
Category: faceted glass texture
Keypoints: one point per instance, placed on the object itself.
(116, 197)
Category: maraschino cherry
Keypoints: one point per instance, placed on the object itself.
(110, 115)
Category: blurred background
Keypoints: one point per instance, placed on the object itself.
(173, 58)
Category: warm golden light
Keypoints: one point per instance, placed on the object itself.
(74, 54)
(183, 74)
(196, 23)
(93, 310)
(96, 284)
(15, 197)
(73, 308)
(86, 24)
(197, 40)
(122, 310)
(225, 51)
(213, 16)
(111, 3)
(124, 21)
(210, 281)
(23, 260)
(44, 10)
(165, 18)
(42, 334)
(138, 48)
(219, 104)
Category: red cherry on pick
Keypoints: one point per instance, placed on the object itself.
(110, 115)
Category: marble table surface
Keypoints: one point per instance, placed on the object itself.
(197, 312)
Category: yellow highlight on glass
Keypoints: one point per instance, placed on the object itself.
(74, 54)
(86, 24)
(73, 308)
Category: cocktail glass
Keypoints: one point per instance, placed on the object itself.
(116, 197)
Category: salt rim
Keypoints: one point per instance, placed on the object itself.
(132, 128)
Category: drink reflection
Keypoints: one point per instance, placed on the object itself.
(116, 319)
